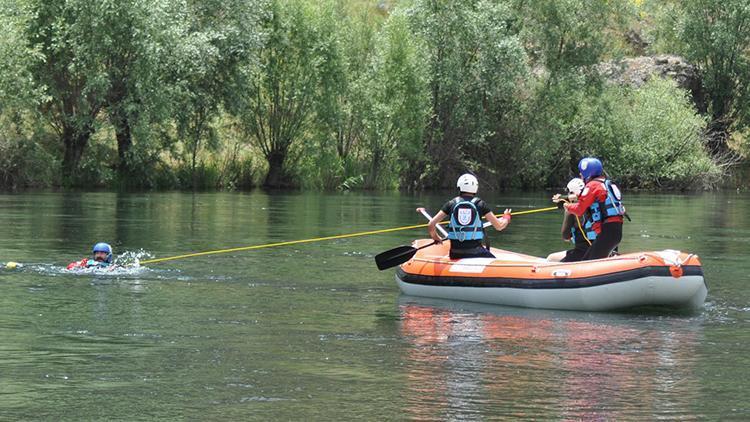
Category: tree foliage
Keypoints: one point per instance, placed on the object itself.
(17, 88)
(217, 38)
(73, 71)
(475, 61)
(284, 87)
(716, 35)
(362, 94)
(650, 137)
(396, 107)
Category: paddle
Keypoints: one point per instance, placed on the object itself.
(401, 254)
(397, 256)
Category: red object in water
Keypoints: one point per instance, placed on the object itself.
(78, 264)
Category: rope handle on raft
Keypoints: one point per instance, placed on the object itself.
(675, 266)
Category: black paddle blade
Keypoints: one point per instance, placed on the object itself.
(395, 256)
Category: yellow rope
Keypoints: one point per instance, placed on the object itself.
(582, 232)
(578, 220)
(317, 239)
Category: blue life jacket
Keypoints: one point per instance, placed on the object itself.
(466, 223)
(587, 226)
(610, 207)
(96, 264)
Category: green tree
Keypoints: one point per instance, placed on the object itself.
(475, 61)
(72, 72)
(397, 106)
(716, 36)
(22, 161)
(140, 33)
(568, 35)
(17, 88)
(138, 60)
(283, 89)
(340, 112)
(216, 41)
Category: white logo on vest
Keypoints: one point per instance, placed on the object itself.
(464, 216)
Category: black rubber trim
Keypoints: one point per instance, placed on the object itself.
(551, 283)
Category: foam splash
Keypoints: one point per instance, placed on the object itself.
(125, 264)
(113, 270)
(132, 258)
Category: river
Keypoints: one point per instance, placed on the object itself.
(316, 332)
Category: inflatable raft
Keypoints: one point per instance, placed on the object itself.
(664, 278)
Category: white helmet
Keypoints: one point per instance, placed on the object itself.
(468, 183)
(575, 186)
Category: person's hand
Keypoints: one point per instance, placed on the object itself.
(556, 198)
(505, 219)
(436, 238)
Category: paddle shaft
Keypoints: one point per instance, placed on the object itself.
(429, 218)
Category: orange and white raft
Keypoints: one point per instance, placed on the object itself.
(664, 278)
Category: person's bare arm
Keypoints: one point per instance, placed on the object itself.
(432, 225)
(499, 223)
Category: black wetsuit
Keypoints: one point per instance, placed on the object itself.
(606, 241)
(468, 248)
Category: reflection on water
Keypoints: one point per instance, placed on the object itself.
(467, 360)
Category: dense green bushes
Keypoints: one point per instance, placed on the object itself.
(715, 35)
(25, 164)
(651, 137)
(342, 94)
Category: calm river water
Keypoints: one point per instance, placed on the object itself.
(315, 332)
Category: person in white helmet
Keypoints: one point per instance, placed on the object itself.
(577, 230)
(465, 230)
